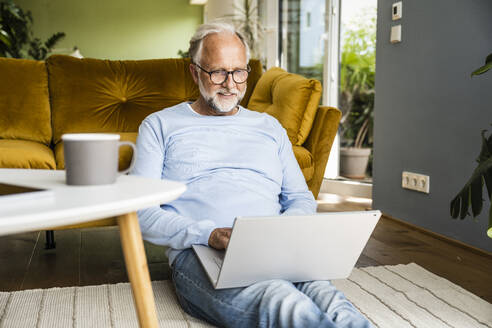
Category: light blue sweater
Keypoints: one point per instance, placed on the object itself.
(238, 165)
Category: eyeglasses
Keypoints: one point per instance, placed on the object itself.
(220, 76)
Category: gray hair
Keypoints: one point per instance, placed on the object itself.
(204, 30)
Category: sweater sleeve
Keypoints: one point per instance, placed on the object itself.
(295, 197)
(160, 226)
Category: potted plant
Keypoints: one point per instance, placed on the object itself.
(16, 34)
(472, 191)
(357, 136)
(357, 75)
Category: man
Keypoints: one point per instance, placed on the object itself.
(234, 162)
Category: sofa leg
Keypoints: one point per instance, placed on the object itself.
(50, 240)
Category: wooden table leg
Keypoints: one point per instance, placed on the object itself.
(138, 271)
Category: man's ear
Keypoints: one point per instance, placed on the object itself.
(194, 73)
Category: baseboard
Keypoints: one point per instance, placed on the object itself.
(347, 188)
(450, 240)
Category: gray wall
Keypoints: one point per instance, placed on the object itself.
(429, 112)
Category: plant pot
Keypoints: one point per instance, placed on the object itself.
(353, 162)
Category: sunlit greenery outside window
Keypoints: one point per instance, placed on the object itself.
(357, 76)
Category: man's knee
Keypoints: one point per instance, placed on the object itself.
(277, 284)
(317, 286)
(272, 291)
(268, 290)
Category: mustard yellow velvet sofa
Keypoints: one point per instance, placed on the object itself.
(41, 100)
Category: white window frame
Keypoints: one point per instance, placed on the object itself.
(331, 78)
(330, 67)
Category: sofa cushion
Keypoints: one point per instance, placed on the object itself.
(126, 152)
(92, 95)
(305, 160)
(24, 100)
(25, 154)
(290, 98)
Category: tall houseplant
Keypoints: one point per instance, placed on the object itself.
(357, 75)
(16, 37)
(472, 191)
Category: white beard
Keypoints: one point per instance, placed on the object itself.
(221, 105)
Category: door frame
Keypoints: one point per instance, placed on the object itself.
(275, 46)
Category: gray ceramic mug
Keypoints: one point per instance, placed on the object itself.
(92, 158)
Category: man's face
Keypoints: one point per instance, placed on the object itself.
(222, 51)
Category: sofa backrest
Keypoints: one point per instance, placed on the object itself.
(24, 101)
(93, 95)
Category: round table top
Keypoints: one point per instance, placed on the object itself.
(77, 204)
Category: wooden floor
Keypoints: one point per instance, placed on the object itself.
(93, 256)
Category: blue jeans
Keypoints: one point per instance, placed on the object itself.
(272, 303)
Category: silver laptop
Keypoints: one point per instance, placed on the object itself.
(296, 248)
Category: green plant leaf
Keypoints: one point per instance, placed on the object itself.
(14, 11)
(4, 38)
(455, 207)
(465, 201)
(484, 68)
(472, 191)
(488, 183)
(476, 201)
(53, 40)
(485, 153)
(488, 60)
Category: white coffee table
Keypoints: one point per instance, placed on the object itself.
(78, 204)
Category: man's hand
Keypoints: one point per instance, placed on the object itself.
(219, 238)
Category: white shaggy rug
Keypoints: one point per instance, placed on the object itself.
(390, 296)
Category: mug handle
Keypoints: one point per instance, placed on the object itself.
(134, 155)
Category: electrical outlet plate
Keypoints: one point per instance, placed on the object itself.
(396, 10)
(415, 181)
(395, 34)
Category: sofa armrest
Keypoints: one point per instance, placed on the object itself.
(319, 143)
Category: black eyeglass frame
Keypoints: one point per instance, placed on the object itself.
(247, 70)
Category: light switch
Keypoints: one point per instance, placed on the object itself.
(395, 34)
(396, 10)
